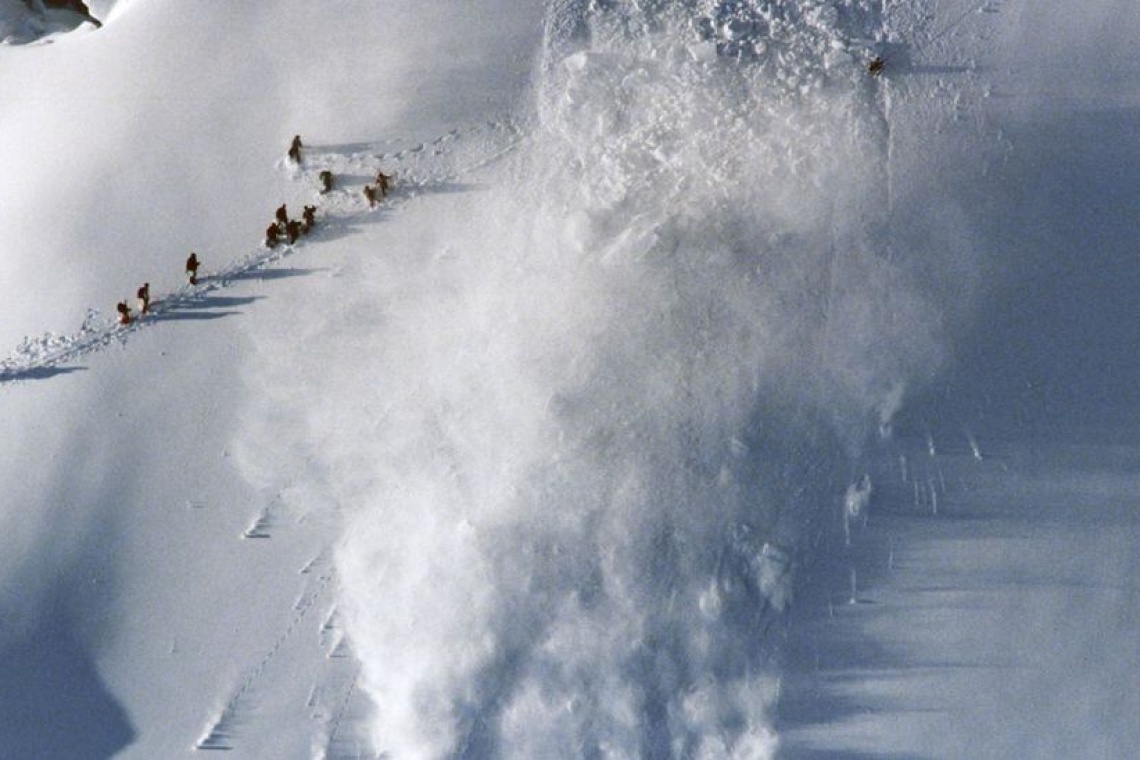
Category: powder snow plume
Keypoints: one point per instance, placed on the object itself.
(586, 421)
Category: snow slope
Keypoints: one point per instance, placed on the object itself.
(125, 558)
(994, 581)
(527, 461)
(597, 392)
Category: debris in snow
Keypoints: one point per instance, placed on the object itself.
(704, 52)
(855, 502)
(774, 575)
(857, 497)
(975, 450)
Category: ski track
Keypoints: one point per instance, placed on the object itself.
(439, 165)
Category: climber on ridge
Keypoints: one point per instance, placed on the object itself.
(292, 231)
(143, 294)
(382, 181)
(192, 264)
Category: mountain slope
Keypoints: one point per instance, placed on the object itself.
(530, 459)
(136, 550)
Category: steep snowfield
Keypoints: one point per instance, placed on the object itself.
(526, 461)
(582, 402)
(994, 579)
(136, 614)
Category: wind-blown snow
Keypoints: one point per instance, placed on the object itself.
(124, 149)
(532, 455)
(585, 399)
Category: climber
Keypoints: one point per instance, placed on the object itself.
(192, 264)
(292, 231)
(143, 294)
(382, 181)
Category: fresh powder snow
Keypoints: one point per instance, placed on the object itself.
(716, 379)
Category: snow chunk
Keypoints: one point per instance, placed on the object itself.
(773, 575)
(704, 52)
(737, 29)
(577, 62)
(836, 59)
(711, 602)
(858, 496)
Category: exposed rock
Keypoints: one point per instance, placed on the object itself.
(25, 21)
(77, 6)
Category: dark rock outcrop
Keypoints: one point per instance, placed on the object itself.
(77, 6)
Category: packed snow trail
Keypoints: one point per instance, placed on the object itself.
(123, 569)
(424, 168)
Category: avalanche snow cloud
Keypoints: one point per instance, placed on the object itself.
(580, 426)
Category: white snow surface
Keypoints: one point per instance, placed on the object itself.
(526, 461)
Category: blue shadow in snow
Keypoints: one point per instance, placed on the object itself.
(37, 373)
(271, 274)
(191, 316)
(1055, 349)
(214, 302)
(1058, 346)
(53, 704)
(195, 309)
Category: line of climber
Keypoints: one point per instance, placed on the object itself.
(373, 192)
(290, 229)
(382, 185)
(143, 293)
(282, 227)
